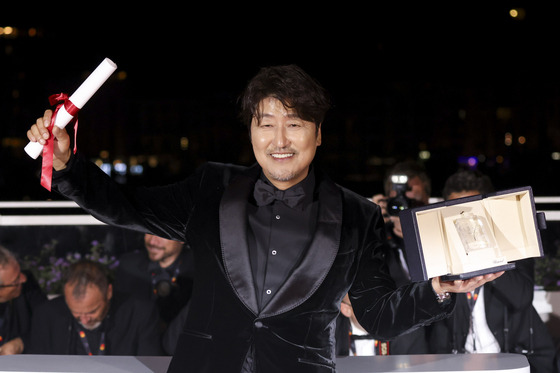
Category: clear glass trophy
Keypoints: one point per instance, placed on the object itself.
(476, 236)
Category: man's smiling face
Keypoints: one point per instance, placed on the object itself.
(284, 144)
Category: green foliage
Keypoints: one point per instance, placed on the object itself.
(547, 273)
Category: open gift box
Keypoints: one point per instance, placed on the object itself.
(472, 236)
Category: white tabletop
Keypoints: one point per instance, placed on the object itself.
(83, 364)
(472, 363)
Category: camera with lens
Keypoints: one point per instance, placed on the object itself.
(400, 202)
(162, 283)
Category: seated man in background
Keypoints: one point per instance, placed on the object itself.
(162, 272)
(352, 338)
(498, 316)
(20, 295)
(87, 320)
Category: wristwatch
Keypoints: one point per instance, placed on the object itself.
(442, 297)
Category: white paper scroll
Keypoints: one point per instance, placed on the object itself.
(79, 99)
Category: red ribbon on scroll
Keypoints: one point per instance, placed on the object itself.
(46, 170)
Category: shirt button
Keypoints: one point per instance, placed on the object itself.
(268, 291)
(258, 324)
(274, 252)
(277, 217)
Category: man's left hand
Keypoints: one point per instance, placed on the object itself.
(463, 286)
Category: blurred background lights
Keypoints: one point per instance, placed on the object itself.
(153, 161)
(137, 169)
(424, 155)
(184, 143)
(119, 167)
(517, 13)
(6, 30)
(555, 156)
(508, 139)
(106, 167)
(13, 32)
(399, 179)
(470, 161)
(121, 75)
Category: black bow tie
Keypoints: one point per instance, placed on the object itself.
(265, 194)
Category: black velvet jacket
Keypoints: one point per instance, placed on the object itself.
(224, 331)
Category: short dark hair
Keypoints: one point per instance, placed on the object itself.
(290, 85)
(84, 273)
(467, 180)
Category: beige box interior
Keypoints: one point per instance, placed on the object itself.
(511, 222)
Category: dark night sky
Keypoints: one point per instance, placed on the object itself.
(412, 63)
(345, 46)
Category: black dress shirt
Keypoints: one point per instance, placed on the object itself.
(279, 235)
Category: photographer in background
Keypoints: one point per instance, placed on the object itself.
(406, 185)
(162, 271)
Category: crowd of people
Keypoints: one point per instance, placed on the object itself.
(496, 317)
(143, 311)
(125, 313)
(279, 258)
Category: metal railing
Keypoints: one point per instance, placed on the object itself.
(69, 213)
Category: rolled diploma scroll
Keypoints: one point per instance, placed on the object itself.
(79, 99)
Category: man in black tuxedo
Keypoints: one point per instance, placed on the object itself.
(88, 320)
(277, 245)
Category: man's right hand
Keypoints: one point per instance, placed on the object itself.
(39, 133)
(381, 200)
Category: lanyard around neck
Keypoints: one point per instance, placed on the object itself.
(472, 298)
(85, 343)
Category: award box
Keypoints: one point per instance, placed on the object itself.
(472, 236)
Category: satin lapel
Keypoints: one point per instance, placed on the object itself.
(233, 237)
(318, 260)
